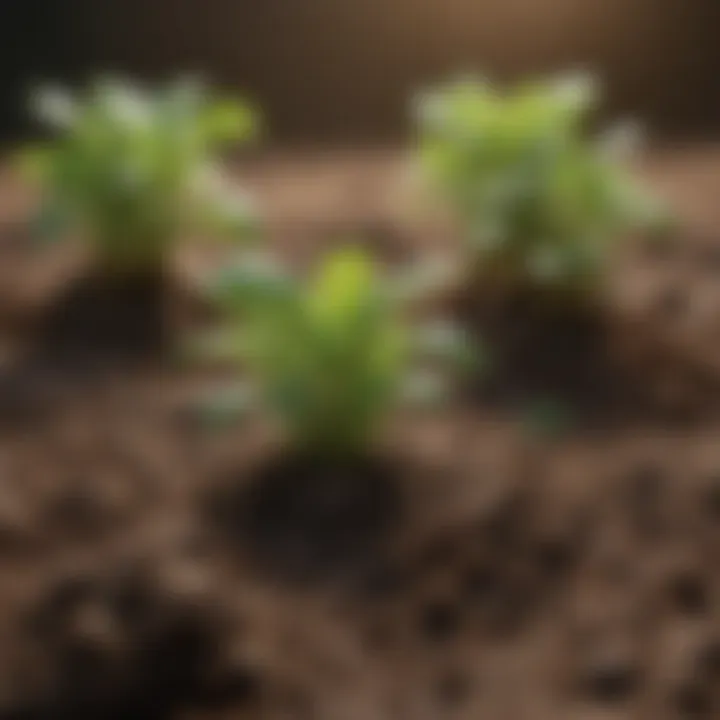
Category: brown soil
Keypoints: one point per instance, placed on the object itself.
(305, 518)
(590, 364)
(486, 563)
(110, 318)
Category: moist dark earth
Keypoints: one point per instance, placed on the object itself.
(547, 548)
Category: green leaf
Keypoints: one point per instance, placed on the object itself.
(528, 187)
(127, 162)
(342, 285)
(576, 91)
(54, 106)
(230, 216)
(331, 354)
(253, 281)
(34, 162)
(229, 121)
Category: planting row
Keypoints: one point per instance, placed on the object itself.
(538, 200)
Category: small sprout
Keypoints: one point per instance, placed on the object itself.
(132, 170)
(540, 203)
(333, 355)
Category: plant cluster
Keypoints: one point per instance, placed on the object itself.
(132, 169)
(330, 356)
(539, 202)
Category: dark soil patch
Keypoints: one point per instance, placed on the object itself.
(439, 621)
(304, 518)
(100, 321)
(121, 649)
(580, 366)
(22, 396)
(611, 681)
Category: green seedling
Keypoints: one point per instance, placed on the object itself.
(131, 170)
(331, 356)
(538, 201)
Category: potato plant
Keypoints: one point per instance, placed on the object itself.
(540, 203)
(131, 169)
(331, 356)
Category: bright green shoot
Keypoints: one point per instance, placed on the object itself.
(330, 357)
(538, 201)
(131, 169)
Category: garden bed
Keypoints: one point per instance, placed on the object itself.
(504, 560)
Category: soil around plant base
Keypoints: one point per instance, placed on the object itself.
(584, 364)
(307, 518)
(111, 319)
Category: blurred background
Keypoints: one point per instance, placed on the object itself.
(339, 71)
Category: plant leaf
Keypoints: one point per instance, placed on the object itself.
(229, 121)
(54, 107)
(252, 281)
(342, 285)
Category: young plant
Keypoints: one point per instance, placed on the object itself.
(540, 204)
(131, 169)
(332, 356)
